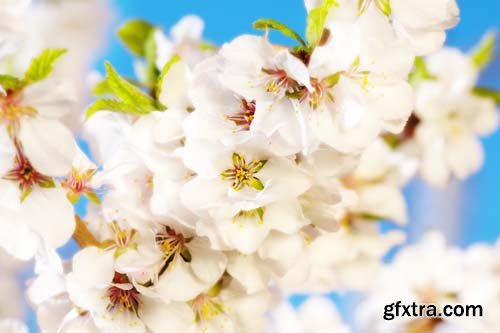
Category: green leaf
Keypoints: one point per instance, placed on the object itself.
(42, 66)
(420, 72)
(152, 72)
(488, 93)
(8, 82)
(483, 54)
(265, 24)
(159, 85)
(116, 106)
(129, 93)
(316, 21)
(102, 88)
(135, 34)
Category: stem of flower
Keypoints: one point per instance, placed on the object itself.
(82, 235)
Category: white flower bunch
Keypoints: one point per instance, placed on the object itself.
(451, 113)
(430, 272)
(220, 175)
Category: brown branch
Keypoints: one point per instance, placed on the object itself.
(82, 234)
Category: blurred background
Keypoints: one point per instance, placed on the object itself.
(466, 212)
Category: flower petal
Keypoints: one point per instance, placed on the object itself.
(49, 145)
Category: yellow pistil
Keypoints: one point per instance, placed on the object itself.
(243, 173)
(123, 240)
(206, 308)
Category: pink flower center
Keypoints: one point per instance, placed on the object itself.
(244, 118)
(123, 299)
(280, 84)
(26, 175)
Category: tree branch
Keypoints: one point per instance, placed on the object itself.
(82, 235)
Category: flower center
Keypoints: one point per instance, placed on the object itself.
(280, 84)
(170, 242)
(244, 118)
(318, 95)
(25, 175)
(77, 184)
(243, 173)
(12, 110)
(122, 300)
(123, 240)
(206, 308)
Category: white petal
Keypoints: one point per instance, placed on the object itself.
(49, 213)
(94, 267)
(243, 236)
(177, 316)
(179, 283)
(51, 98)
(7, 152)
(208, 265)
(202, 194)
(249, 270)
(293, 67)
(280, 246)
(49, 145)
(189, 28)
(465, 156)
(286, 217)
(175, 87)
(394, 104)
(384, 201)
(10, 235)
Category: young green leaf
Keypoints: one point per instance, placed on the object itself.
(8, 82)
(42, 66)
(488, 93)
(116, 106)
(316, 21)
(102, 88)
(164, 72)
(131, 100)
(134, 34)
(127, 91)
(484, 53)
(265, 24)
(150, 54)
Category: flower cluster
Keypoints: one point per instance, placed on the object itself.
(221, 177)
(430, 272)
(38, 109)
